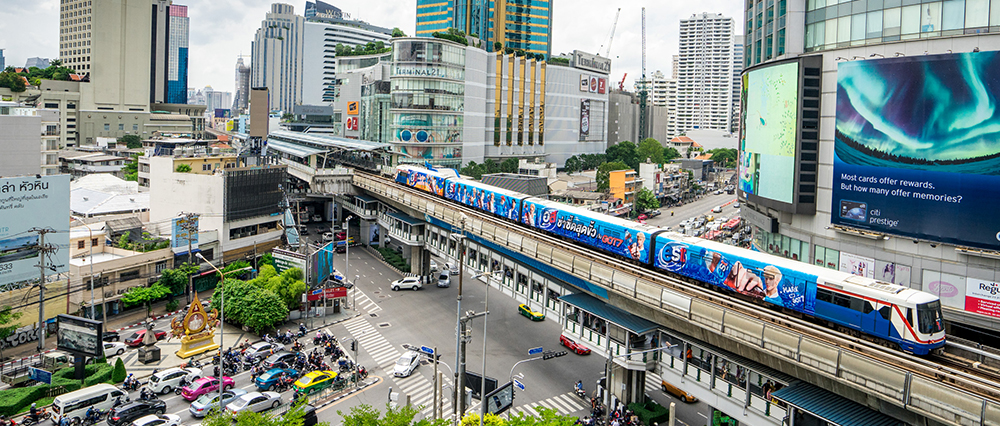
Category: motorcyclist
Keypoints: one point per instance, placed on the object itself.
(33, 412)
(302, 328)
(92, 414)
(579, 385)
(144, 395)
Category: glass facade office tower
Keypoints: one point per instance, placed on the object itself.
(523, 25)
(177, 60)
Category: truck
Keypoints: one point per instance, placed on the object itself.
(19, 374)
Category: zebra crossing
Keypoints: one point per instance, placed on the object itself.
(362, 301)
(567, 404)
(652, 381)
(418, 387)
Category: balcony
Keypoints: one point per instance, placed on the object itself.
(402, 228)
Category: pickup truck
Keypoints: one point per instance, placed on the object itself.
(20, 374)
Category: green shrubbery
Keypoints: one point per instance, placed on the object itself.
(16, 400)
(394, 259)
(650, 412)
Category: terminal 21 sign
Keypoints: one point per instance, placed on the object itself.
(590, 62)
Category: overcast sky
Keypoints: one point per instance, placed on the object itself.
(222, 29)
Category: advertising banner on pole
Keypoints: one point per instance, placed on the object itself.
(917, 148)
(26, 203)
(180, 234)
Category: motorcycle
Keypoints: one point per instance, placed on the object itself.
(42, 416)
(362, 371)
(96, 416)
(580, 392)
(130, 385)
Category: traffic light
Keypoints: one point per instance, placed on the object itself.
(354, 345)
(552, 354)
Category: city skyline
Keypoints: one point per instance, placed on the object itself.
(222, 30)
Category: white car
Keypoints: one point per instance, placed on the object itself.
(452, 267)
(166, 380)
(158, 420)
(261, 350)
(412, 283)
(114, 348)
(434, 266)
(406, 364)
(327, 236)
(317, 218)
(254, 401)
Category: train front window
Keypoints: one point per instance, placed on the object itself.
(929, 317)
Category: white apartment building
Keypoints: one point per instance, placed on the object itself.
(705, 73)
(737, 81)
(21, 141)
(50, 134)
(318, 64)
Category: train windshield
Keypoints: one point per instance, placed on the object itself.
(929, 317)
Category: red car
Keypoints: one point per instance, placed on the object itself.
(573, 346)
(205, 385)
(340, 236)
(135, 339)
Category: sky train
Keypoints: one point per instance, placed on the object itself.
(908, 318)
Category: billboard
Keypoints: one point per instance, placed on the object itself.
(26, 203)
(285, 259)
(80, 336)
(180, 234)
(767, 149)
(857, 265)
(982, 297)
(584, 119)
(917, 147)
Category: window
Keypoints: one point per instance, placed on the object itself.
(121, 126)
(81, 244)
(824, 295)
(160, 266)
(93, 242)
(135, 127)
(129, 275)
(107, 126)
(206, 167)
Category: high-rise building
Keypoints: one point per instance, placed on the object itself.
(705, 73)
(3, 62)
(294, 57)
(525, 25)
(779, 30)
(673, 67)
(737, 81)
(215, 99)
(35, 62)
(657, 89)
(241, 91)
(177, 61)
(318, 8)
(159, 60)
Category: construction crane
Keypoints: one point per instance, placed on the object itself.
(621, 84)
(607, 53)
(643, 88)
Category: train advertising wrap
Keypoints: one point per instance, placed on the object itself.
(423, 181)
(774, 285)
(472, 195)
(606, 236)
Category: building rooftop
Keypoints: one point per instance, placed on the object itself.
(88, 202)
(328, 141)
(82, 231)
(105, 182)
(98, 258)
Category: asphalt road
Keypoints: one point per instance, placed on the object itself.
(692, 209)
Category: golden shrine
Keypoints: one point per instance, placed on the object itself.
(196, 330)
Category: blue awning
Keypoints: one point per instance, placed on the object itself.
(410, 220)
(598, 307)
(831, 407)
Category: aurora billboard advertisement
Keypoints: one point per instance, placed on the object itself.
(917, 149)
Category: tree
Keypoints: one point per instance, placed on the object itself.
(131, 168)
(396, 32)
(183, 168)
(286, 117)
(472, 419)
(131, 141)
(573, 164)
(591, 161)
(293, 417)
(289, 286)
(266, 259)
(509, 165)
(145, 295)
(472, 169)
(119, 374)
(645, 200)
(670, 153)
(365, 415)
(497, 46)
(177, 279)
(546, 417)
(12, 81)
(724, 157)
(8, 324)
(265, 311)
(624, 151)
(650, 148)
(604, 173)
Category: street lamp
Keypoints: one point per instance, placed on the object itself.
(347, 251)
(482, 390)
(222, 328)
(459, 405)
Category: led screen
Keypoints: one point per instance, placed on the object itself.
(767, 149)
(917, 147)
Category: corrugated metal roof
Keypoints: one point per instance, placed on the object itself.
(290, 148)
(831, 407)
(325, 140)
(595, 306)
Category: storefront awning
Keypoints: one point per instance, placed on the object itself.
(831, 407)
(598, 307)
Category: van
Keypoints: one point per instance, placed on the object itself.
(74, 405)
(444, 280)
(717, 209)
(677, 392)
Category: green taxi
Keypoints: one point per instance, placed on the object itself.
(315, 381)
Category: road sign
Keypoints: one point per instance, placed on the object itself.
(426, 350)
(518, 384)
(535, 351)
(39, 375)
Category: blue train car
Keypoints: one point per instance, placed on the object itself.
(432, 181)
(490, 199)
(597, 230)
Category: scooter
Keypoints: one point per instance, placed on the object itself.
(580, 392)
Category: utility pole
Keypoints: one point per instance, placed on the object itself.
(459, 405)
(190, 226)
(43, 251)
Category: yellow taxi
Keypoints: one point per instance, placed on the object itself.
(527, 312)
(315, 381)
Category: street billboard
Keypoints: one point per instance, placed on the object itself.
(584, 119)
(180, 237)
(26, 203)
(767, 150)
(80, 336)
(287, 259)
(917, 147)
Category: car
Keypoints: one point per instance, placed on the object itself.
(412, 283)
(736, 205)
(573, 345)
(444, 280)
(263, 349)
(654, 213)
(158, 420)
(125, 414)
(114, 348)
(254, 401)
(717, 209)
(111, 336)
(279, 359)
(303, 230)
(526, 311)
(166, 380)
(135, 339)
(677, 392)
(269, 379)
(340, 236)
(642, 217)
(341, 248)
(451, 267)
(434, 266)
(200, 407)
(205, 385)
(406, 364)
(327, 236)
(315, 381)
(317, 218)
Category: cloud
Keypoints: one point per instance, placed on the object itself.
(223, 29)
